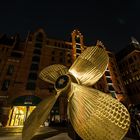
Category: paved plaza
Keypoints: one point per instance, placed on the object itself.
(62, 136)
(45, 133)
(10, 133)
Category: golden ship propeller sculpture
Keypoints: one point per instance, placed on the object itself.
(93, 114)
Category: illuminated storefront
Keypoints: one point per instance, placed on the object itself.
(24, 105)
(19, 114)
(22, 108)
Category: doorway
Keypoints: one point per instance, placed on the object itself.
(19, 114)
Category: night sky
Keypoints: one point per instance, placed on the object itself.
(111, 21)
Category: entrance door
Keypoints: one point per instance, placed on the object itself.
(19, 114)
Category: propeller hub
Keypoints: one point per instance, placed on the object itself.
(62, 83)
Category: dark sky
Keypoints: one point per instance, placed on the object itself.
(111, 21)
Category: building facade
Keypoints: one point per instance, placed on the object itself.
(129, 65)
(20, 64)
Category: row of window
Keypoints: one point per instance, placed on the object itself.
(130, 60)
(34, 66)
(33, 75)
(39, 40)
(136, 78)
(134, 68)
(59, 44)
(78, 50)
(61, 59)
(60, 53)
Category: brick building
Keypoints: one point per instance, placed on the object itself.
(129, 64)
(20, 64)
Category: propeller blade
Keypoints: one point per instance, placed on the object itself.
(51, 73)
(95, 115)
(89, 67)
(38, 117)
